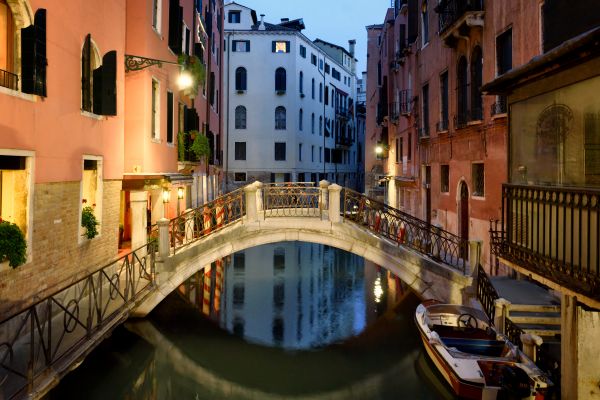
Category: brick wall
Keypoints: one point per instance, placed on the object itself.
(58, 257)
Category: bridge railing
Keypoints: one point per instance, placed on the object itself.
(405, 229)
(44, 336)
(195, 224)
(292, 199)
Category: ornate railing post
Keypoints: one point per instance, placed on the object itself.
(324, 198)
(164, 247)
(251, 206)
(259, 195)
(475, 255)
(500, 314)
(139, 233)
(334, 202)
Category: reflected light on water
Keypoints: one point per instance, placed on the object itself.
(378, 290)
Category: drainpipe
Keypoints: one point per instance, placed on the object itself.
(323, 100)
(226, 149)
(207, 78)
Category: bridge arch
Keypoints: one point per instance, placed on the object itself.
(426, 277)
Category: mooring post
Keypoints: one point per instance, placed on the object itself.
(501, 313)
(164, 245)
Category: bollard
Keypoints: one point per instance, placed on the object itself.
(259, 195)
(334, 202)
(164, 245)
(501, 313)
(530, 344)
(251, 210)
(324, 198)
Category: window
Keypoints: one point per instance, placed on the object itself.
(239, 177)
(238, 294)
(155, 133)
(443, 125)
(280, 80)
(327, 68)
(302, 51)
(313, 59)
(424, 24)
(425, 99)
(444, 178)
(398, 156)
(327, 96)
(234, 17)
(156, 14)
(312, 88)
(278, 323)
(462, 88)
(170, 115)
(312, 153)
(335, 74)
(301, 83)
(299, 151)
(185, 37)
(409, 150)
(476, 82)
(175, 26)
(15, 190)
(312, 123)
(240, 46)
(321, 64)
(300, 119)
(212, 89)
(91, 189)
(280, 118)
(478, 173)
(279, 151)
(504, 52)
(320, 92)
(327, 155)
(320, 125)
(240, 79)
(321, 154)
(98, 80)
(279, 46)
(240, 117)
(240, 151)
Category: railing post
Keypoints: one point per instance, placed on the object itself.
(251, 206)
(259, 195)
(334, 202)
(164, 248)
(139, 203)
(530, 344)
(475, 255)
(500, 314)
(324, 198)
(189, 227)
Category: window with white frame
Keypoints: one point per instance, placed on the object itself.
(155, 125)
(240, 117)
(91, 190)
(280, 118)
(156, 14)
(240, 46)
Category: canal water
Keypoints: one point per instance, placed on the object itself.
(287, 320)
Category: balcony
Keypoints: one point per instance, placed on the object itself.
(457, 17)
(342, 112)
(405, 102)
(394, 111)
(500, 106)
(343, 141)
(9, 80)
(552, 232)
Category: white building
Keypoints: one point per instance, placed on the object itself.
(289, 108)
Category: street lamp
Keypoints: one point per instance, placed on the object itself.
(180, 193)
(166, 196)
(138, 63)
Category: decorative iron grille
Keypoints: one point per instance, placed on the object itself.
(292, 200)
(486, 293)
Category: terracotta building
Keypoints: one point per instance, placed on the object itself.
(443, 143)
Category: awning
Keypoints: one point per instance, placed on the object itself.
(406, 181)
(155, 181)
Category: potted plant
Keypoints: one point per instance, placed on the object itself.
(200, 146)
(13, 247)
(89, 222)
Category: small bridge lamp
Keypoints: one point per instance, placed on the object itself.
(180, 193)
(166, 196)
(185, 80)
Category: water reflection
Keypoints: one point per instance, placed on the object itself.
(276, 302)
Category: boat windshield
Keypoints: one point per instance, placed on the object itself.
(457, 310)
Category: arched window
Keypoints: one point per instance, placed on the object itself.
(312, 88)
(240, 117)
(476, 82)
(90, 60)
(241, 79)
(320, 92)
(320, 126)
(300, 118)
(280, 80)
(327, 95)
(312, 123)
(280, 118)
(301, 83)
(461, 98)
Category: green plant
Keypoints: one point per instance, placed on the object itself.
(194, 66)
(200, 147)
(181, 146)
(89, 222)
(13, 246)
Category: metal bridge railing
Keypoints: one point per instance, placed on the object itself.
(298, 199)
(42, 337)
(405, 229)
(200, 222)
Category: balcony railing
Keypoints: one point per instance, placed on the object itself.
(9, 80)
(405, 102)
(341, 140)
(500, 106)
(394, 111)
(451, 11)
(442, 125)
(552, 231)
(343, 112)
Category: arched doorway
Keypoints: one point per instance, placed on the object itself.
(463, 215)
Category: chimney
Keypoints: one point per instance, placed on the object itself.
(285, 20)
(351, 47)
(261, 26)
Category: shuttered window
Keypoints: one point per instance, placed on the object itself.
(279, 151)
(280, 46)
(175, 26)
(99, 85)
(240, 78)
(280, 80)
(33, 56)
(240, 117)
(504, 52)
(240, 151)
(170, 113)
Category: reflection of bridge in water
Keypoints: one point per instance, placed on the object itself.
(42, 343)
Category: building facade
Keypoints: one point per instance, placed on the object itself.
(443, 144)
(289, 113)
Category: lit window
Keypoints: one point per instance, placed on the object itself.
(280, 46)
(91, 190)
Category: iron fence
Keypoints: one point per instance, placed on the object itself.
(451, 11)
(193, 225)
(406, 230)
(554, 232)
(9, 80)
(297, 199)
(40, 339)
(513, 332)
(486, 293)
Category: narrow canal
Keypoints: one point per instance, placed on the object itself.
(287, 320)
